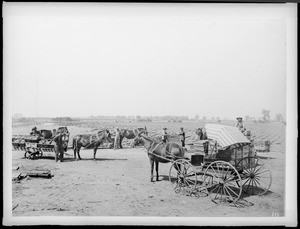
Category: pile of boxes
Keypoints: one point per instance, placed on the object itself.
(263, 146)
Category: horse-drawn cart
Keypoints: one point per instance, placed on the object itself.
(226, 171)
(35, 145)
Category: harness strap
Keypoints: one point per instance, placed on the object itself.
(151, 147)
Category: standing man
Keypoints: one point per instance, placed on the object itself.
(240, 124)
(164, 136)
(53, 132)
(59, 146)
(117, 139)
(182, 137)
(34, 131)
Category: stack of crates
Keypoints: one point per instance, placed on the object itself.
(240, 153)
(263, 146)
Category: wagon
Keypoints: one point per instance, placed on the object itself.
(225, 166)
(35, 145)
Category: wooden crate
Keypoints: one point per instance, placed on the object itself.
(263, 146)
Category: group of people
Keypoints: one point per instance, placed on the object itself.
(200, 133)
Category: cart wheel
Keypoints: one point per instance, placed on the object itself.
(183, 177)
(27, 154)
(222, 181)
(256, 176)
(39, 153)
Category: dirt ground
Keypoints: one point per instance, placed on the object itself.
(118, 184)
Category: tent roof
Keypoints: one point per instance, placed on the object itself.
(226, 135)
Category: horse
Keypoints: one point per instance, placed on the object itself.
(169, 150)
(131, 134)
(46, 134)
(87, 141)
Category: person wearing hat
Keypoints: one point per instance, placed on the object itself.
(117, 139)
(34, 131)
(182, 137)
(240, 124)
(164, 136)
(59, 146)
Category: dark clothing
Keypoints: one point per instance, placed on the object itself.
(59, 149)
(165, 137)
(182, 139)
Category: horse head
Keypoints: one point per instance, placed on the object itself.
(136, 140)
(108, 135)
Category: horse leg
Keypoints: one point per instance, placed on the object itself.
(75, 149)
(156, 167)
(120, 142)
(75, 153)
(78, 152)
(95, 149)
(152, 166)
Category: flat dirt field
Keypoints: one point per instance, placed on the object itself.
(118, 182)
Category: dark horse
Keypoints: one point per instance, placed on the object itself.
(131, 134)
(170, 151)
(46, 134)
(90, 141)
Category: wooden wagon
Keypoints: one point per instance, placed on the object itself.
(35, 145)
(225, 166)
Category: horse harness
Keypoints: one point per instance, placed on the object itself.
(168, 154)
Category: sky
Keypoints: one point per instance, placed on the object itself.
(145, 59)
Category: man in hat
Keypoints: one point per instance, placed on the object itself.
(59, 146)
(182, 137)
(34, 131)
(164, 136)
(240, 124)
(117, 139)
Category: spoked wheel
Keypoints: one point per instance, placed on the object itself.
(30, 155)
(39, 153)
(256, 176)
(183, 177)
(27, 154)
(222, 181)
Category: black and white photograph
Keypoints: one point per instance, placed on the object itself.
(150, 114)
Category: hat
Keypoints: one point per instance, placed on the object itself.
(164, 128)
(181, 128)
(34, 128)
(239, 118)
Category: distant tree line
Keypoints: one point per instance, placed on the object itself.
(62, 119)
(164, 118)
(140, 118)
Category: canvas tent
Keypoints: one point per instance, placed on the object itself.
(226, 135)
